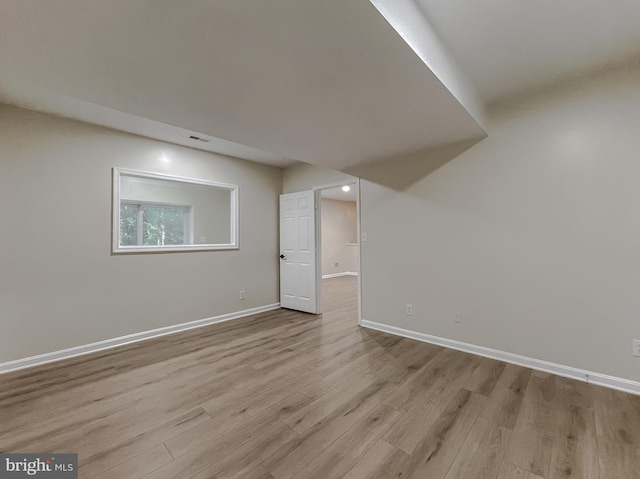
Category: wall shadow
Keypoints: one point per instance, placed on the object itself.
(401, 172)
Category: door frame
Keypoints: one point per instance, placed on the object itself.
(317, 191)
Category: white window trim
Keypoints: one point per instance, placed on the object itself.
(116, 248)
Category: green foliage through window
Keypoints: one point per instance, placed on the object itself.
(129, 225)
(161, 224)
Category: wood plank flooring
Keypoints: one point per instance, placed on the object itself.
(284, 395)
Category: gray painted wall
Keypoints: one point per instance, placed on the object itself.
(60, 286)
(304, 177)
(534, 233)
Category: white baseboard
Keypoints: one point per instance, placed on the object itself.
(335, 275)
(612, 382)
(122, 340)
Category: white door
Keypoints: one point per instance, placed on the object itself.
(298, 278)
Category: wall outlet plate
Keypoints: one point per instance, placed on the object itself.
(242, 295)
(409, 309)
(457, 317)
(636, 347)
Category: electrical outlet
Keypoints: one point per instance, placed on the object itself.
(636, 347)
(335, 265)
(409, 309)
(457, 317)
(242, 295)
(364, 236)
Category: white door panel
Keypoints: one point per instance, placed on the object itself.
(298, 276)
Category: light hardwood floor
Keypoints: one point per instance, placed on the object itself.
(289, 395)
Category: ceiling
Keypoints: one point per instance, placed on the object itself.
(508, 47)
(332, 83)
(326, 82)
(339, 194)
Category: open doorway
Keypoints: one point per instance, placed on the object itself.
(301, 253)
(338, 246)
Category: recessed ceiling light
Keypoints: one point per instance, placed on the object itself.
(346, 188)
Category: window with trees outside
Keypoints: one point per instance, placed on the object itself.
(156, 212)
(149, 224)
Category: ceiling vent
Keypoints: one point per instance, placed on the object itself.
(197, 138)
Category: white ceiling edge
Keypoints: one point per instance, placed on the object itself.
(80, 110)
(409, 20)
(509, 48)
